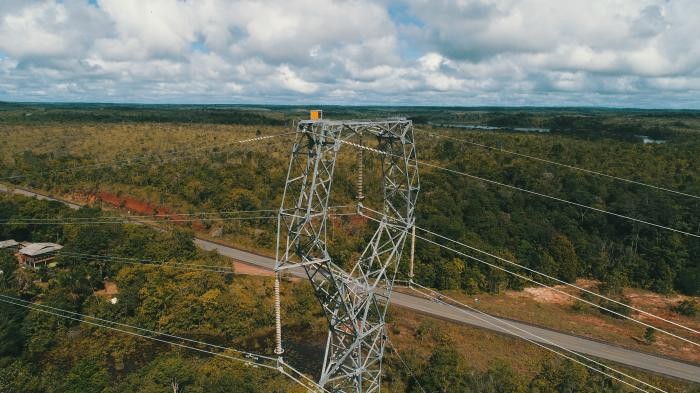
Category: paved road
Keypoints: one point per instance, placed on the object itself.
(577, 344)
(601, 350)
(4, 188)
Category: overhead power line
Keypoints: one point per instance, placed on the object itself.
(512, 187)
(4, 298)
(167, 216)
(154, 215)
(438, 297)
(573, 167)
(167, 156)
(553, 288)
(560, 199)
(250, 355)
(142, 219)
(151, 262)
(582, 289)
(226, 269)
(248, 358)
(126, 220)
(560, 291)
(398, 355)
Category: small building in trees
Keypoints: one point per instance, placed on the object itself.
(10, 245)
(37, 254)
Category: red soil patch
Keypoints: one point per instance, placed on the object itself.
(138, 207)
(133, 205)
(82, 197)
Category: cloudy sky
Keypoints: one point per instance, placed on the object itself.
(619, 53)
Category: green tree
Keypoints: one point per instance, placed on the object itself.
(87, 375)
(8, 266)
(444, 372)
(16, 376)
(242, 199)
(688, 281)
(450, 274)
(42, 330)
(473, 280)
(649, 335)
(561, 377)
(502, 379)
(12, 335)
(497, 280)
(562, 250)
(546, 263)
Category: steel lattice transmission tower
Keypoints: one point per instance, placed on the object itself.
(355, 301)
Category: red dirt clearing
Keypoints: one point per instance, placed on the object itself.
(135, 206)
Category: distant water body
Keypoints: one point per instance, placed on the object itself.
(649, 141)
(491, 128)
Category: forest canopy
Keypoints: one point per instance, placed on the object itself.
(158, 174)
(562, 240)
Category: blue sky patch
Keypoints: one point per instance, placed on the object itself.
(199, 46)
(403, 15)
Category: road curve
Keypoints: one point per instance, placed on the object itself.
(640, 360)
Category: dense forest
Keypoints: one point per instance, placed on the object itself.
(46, 353)
(43, 353)
(555, 238)
(169, 160)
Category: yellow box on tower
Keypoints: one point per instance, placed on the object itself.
(316, 114)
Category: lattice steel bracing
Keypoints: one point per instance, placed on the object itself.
(354, 301)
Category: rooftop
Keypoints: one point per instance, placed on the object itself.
(8, 243)
(40, 248)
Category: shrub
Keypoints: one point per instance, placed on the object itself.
(688, 308)
(649, 336)
(616, 310)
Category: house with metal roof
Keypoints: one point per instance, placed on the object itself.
(37, 253)
(9, 245)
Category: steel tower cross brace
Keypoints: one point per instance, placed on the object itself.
(355, 302)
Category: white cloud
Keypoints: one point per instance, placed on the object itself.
(290, 80)
(460, 52)
(24, 33)
(431, 61)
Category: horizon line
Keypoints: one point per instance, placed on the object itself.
(319, 105)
